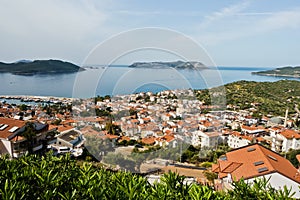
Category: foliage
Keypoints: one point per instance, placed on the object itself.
(291, 156)
(266, 97)
(191, 155)
(98, 146)
(23, 107)
(29, 133)
(49, 177)
(206, 164)
(281, 71)
(260, 189)
(209, 154)
(102, 113)
(112, 128)
(56, 121)
(39, 67)
(211, 176)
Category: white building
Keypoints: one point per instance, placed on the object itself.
(284, 140)
(237, 140)
(209, 139)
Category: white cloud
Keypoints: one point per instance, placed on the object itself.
(281, 20)
(50, 28)
(230, 24)
(223, 13)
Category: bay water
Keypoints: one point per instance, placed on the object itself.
(116, 80)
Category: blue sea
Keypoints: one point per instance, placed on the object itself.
(118, 80)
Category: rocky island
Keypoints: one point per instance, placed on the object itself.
(44, 67)
(175, 64)
(293, 72)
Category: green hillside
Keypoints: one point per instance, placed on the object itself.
(268, 97)
(39, 67)
(281, 71)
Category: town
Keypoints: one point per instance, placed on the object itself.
(147, 133)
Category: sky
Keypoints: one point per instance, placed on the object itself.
(255, 33)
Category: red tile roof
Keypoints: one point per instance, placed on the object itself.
(246, 162)
(289, 134)
(298, 157)
(148, 140)
(5, 133)
(60, 128)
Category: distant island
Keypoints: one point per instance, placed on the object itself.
(175, 64)
(293, 72)
(28, 68)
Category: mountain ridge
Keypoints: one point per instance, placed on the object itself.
(42, 67)
(175, 64)
(287, 71)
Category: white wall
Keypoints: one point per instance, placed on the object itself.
(236, 142)
(7, 145)
(278, 181)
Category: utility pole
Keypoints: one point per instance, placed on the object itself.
(286, 116)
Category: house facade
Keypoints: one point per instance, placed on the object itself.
(284, 140)
(12, 141)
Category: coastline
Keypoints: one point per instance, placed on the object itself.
(277, 75)
(37, 99)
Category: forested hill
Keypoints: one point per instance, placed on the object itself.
(176, 64)
(266, 97)
(282, 71)
(39, 67)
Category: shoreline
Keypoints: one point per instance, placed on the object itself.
(37, 99)
(277, 75)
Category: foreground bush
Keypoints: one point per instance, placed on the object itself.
(48, 177)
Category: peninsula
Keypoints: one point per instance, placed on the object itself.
(176, 64)
(282, 72)
(44, 67)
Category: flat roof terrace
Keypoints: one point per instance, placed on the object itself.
(70, 136)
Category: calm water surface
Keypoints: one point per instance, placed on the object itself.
(124, 80)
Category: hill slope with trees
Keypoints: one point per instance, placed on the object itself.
(267, 97)
(39, 67)
(281, 72)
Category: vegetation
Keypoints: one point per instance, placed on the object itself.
(266, 97)
(29, 133)
(291, 156)
(176, 64)
(58, 108)
(39, 67)
(48, 177)
(282, 71)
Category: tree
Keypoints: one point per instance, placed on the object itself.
(29, 133)
(291, 156)
(112, 128)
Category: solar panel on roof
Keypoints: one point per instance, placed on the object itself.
(263, 169)
(258, 163)
(251, 149)
(272, 157)
(3, 127)
(13, 129)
